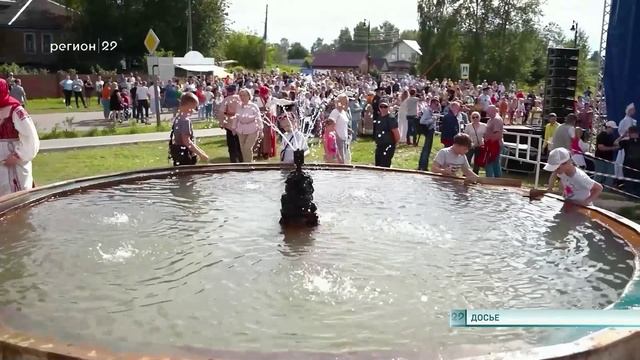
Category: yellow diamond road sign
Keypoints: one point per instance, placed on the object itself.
(151, 41)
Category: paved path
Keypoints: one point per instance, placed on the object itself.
(95, 141)
(81, 121)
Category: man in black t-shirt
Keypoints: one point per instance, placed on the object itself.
(631, 147)
(386, 135)
(605, 153)
(375, 103)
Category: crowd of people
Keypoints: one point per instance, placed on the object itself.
(259, 110)
(403, 111)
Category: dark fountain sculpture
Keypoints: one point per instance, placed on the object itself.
(298, 208)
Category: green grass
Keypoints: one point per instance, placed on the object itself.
(56, 166)
(56, 105)
(126, 129)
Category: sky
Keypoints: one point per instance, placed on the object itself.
(305, 20)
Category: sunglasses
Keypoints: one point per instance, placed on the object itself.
(475, 117)
(384, 106)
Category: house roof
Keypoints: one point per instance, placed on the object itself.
(379, 62)
(413, 45)
(46, 14)
(339, 59)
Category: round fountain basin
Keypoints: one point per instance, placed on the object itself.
(200, 261)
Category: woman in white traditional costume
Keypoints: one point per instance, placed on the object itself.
(623, 131)
(19, 144)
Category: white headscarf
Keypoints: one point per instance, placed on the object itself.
(629, 108)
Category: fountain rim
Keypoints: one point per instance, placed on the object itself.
(43, 348)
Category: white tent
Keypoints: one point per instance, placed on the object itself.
(194, 61)
(216, 70)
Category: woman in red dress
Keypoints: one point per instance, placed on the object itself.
(268, 143)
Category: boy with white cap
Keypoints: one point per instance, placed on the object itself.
(578, 187)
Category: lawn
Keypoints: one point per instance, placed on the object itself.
(125, 129)
(56, 105)
(56, 166)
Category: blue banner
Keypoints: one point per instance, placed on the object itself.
(622, 67)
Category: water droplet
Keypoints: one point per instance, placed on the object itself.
(424, 298)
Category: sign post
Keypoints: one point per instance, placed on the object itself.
(151, 42)
(464, 71)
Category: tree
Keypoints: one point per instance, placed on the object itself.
(320, 46)
(246, 49)
(438, 38)
(383, 37)
(297, 51)
(274, 54)
(284, 44)
(552, 35)
(360, 36)
(208, 24)
(284, 47)
(587, 70)
(344, 42)
(409, 35)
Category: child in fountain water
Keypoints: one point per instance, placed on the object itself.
(293, 137)
(578, 187)
(329, 139)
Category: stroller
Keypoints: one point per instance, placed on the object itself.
(120, 107)
(126, 108)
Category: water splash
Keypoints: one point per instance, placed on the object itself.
(117, 218)
(252, 186)
(119, 255)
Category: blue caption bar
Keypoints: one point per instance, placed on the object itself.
(544, 318)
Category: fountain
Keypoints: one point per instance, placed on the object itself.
(161, 255)
(376, 276)
(298, 208)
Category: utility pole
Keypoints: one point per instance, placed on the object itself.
(368, 45)
(574, 28)
(189, 30)
(264, 37)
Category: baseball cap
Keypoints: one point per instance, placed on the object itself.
(611, 124)
(553, 115)
(557, 157)
(383, 104)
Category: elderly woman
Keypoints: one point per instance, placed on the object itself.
(476, 130)
(340, 117)
(248, 125)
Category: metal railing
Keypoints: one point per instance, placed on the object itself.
(525, 148)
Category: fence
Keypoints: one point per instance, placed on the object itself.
(48, 85)
(532, 147)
